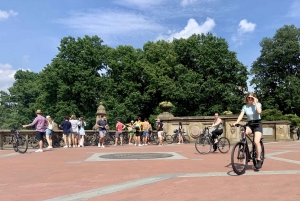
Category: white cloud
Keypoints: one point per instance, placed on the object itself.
(7, 76)
(191, 28)
(187, 2)
(7, 14)
(110, 24)
(138, 3)
(245, 26)
(294, 10)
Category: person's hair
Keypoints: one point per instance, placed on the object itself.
(216, 113)
(50, 120)
(73, 116)
(66, 118)
(180, 123)
(249, 94)
(145, 119)
(82, 121)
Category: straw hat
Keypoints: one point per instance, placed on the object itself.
(39, 111)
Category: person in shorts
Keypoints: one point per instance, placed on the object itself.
(49, 132)
(74, 130)
(81, 131)
(66, 126)
(102, 130)
(138, 126)
(146, 127)
(119, 128)
(40, 124)
(130, 127)
(159, 128)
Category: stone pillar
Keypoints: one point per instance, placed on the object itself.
(100, 111)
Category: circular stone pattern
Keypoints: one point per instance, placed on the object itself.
(136, 156)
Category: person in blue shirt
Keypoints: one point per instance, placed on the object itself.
(253, 109)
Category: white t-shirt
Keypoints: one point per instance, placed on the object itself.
(74, 124)
(251, 112)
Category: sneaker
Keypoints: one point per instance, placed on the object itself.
(48, 147)
(115, 145)
(178, 143)
(258, 164)
(99, 145)
(70, 146)
(39, 150)
(66, 146)
(145, 144)
(160, 145)
(140, 145)
(135, 144)
(78, 145)
(103, 146)
(130, 143)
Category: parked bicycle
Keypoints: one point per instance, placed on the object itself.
(175, 137)
(204, 143)
(19, 142)
(241, 155)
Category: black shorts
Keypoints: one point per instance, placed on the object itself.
(39, 135)
(255, 126)
(138, 133)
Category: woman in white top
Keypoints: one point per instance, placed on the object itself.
(74, 125)
(49, 131)
(81, 131)
(253, 110)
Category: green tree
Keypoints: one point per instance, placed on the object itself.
(275, 72)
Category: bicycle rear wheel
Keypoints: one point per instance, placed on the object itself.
(239, 158)
(223, 145)
(22, 144)
(203, 145)
(186, 139)
(262, 155)
(14, 142)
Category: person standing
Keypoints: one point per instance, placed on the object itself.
(218, 130)
(298, 133)
(138, 126)
(81, 131)
(66, 126)
(74, 130)
(102, 130)
(130, 131)
(49, 132)
(253, 109)
(119, 128)
(180, 131)
(146, 127)
(159, 128)
(40, 124)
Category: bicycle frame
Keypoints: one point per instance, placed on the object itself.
(244, 141)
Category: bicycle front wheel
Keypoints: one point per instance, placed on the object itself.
(22, 144)
(223, 145)
(203, 145)
(14, 142)
(239, 158)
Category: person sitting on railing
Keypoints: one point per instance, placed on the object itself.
(218, 130)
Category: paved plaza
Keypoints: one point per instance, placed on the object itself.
(88, 174)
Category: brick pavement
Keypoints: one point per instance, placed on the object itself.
(64, 174)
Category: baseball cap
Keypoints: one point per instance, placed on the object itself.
(47, 116)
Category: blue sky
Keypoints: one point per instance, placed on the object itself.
(30, 31)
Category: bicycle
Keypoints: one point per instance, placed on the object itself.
(205, 141)
(175, 138)
(19, 142)
(243, 155)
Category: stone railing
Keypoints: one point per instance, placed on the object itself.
(193, 126)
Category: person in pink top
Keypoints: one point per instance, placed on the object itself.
(119, 128)
(40, 124)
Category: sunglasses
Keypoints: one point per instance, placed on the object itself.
(250, 98)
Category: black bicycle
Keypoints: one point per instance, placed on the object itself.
(19, 142)
(241, 154)
(204, 143)
(175, 138)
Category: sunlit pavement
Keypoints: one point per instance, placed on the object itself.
(80, 174)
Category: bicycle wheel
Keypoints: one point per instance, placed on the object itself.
(223, 145)
(14, 142)
(169, 139)
(239, 158)
(262, 155)
(34, 142)
(186, 139)
(22, 144)
(203, 145)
